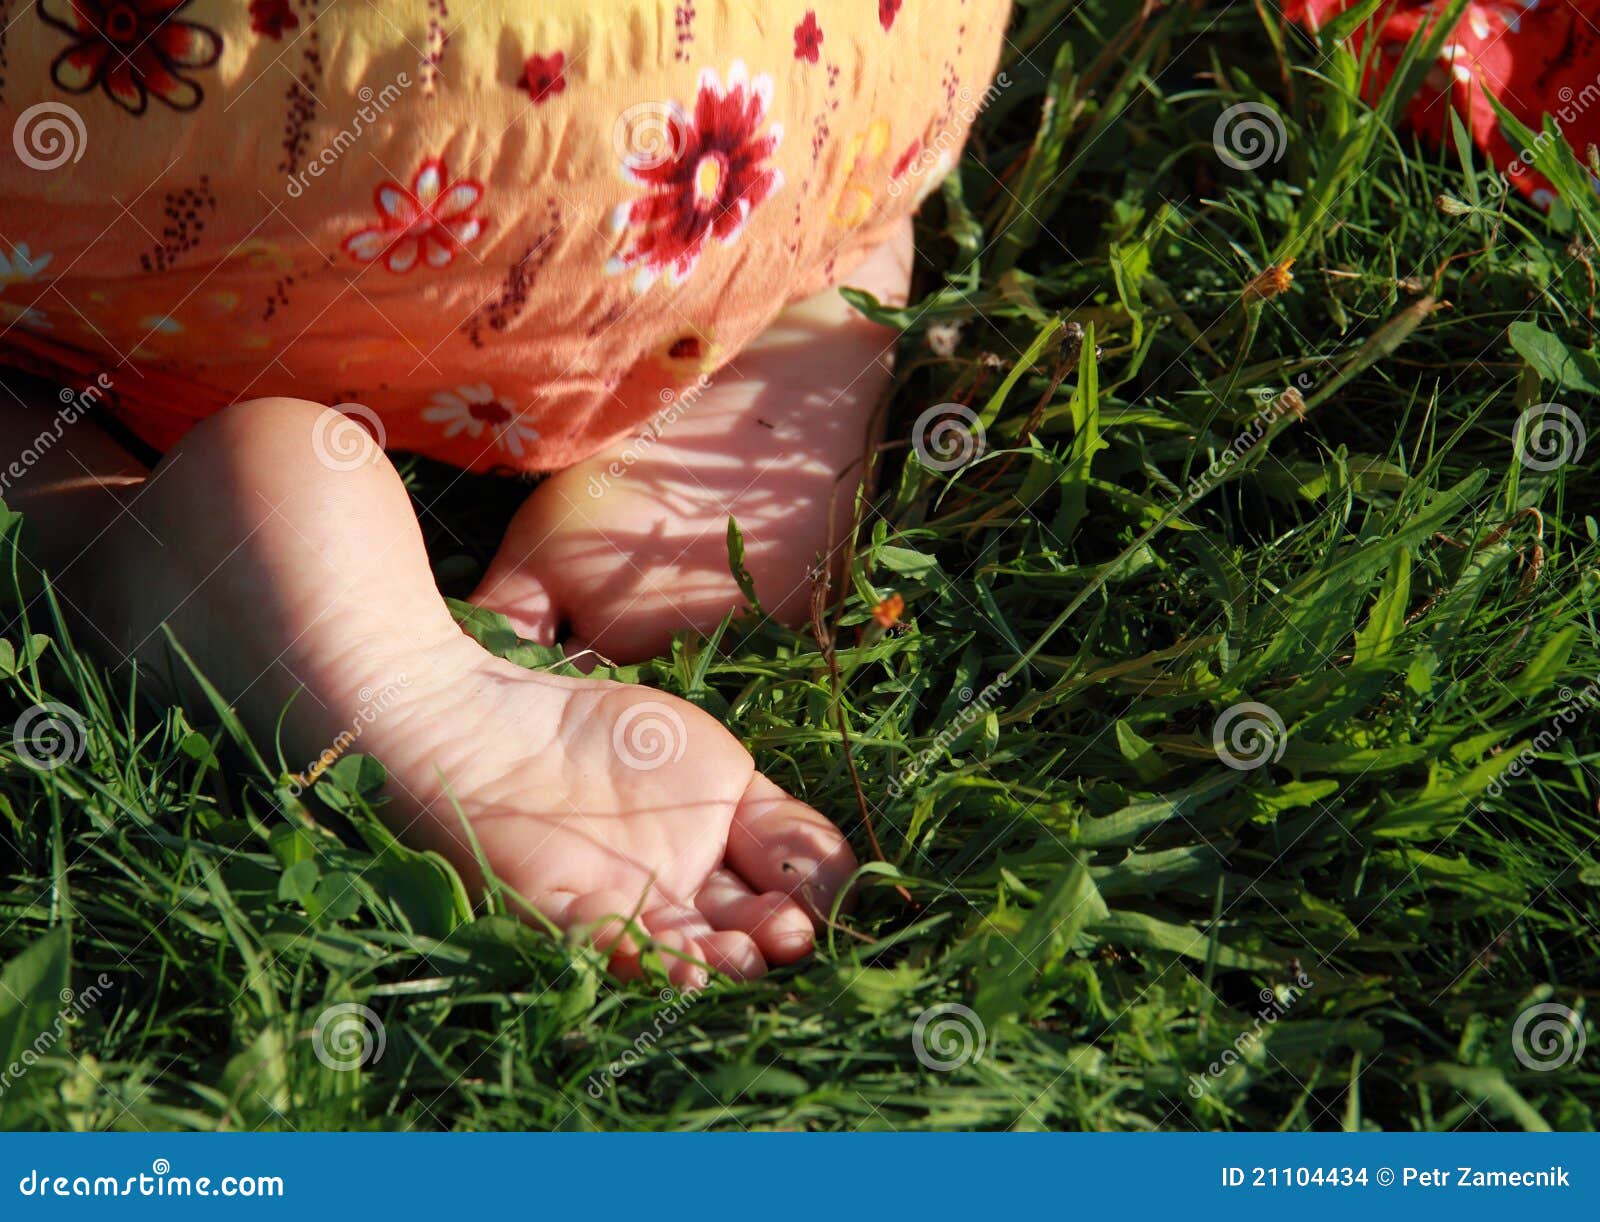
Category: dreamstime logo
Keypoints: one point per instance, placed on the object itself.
(48, 135)
(674, 403)
(650, 134)
(971, 709)
(1249, 135)
(1249, 735)
(1275, 1003)
(47, 736)
(948, 1036)
(1275, 406)
(1573, 104)
(1575, 706)
(947, 437)
(74, 405)
(348, 1036)
(677, 1005)
(1548, 1036)
(372, 704)
(373, 104)
(649, 735)
(1549, 435)
(937, 155)
(74, 1005)
(157, 1182)
(347, 436)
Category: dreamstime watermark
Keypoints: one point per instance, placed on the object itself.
(946, 1037)
(1249, 735)
(948, 436)
(1276, 1003)
(1548, 436)
(48, 735)
(1574, 705)
(939, 153)
(75, 404)
(1285, 403)
(649, 735)
(373, 705)
(373, 104)
(1248, 135)
(675, 402)
(971, 709)
(157, 1182)
(48, 135)
(677, 1005)
(73, 1007)
(650, 134)
(348, 435)
(348, 1036)
(1548, 1036)
(1573, 105)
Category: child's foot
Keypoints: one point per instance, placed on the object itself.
(598, 800)
(287, 579)
(630, 546)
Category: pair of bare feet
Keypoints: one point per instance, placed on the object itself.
(289, 579)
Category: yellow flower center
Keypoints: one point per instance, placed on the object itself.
(708, 177)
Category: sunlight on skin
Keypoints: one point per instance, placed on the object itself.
(630, 546)
(286, 579)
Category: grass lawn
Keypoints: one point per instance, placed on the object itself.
(1234, 765)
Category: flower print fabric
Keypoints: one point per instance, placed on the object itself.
(701, 179)
(428, 222)
(509, 230)
(132, 49)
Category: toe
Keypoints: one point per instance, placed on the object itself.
(778, 843)
(690, 922)
(600, 919)
(683, 959)
(734, 953)
(523, 599)
(778, 926)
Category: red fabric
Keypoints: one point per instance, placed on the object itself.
(1537, 57)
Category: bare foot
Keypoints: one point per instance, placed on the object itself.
(286, 577)
(597, 800)
(630, 546)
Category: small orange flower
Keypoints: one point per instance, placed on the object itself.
(888, 612)
(1270, 283)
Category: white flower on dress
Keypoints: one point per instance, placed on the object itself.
(471, 409)
(428, 223)
(25, 316)
(21, 266)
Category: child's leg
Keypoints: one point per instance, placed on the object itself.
(284, 576)
(630, 546)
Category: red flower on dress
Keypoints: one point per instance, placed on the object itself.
(131, 49)
(544, 75)
(888, 10)
(272, 17)
(808, 37)
(430, 222)
(703, 175)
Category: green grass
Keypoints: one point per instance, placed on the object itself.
(1072, 861)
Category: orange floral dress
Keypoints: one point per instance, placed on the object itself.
(505, 238)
